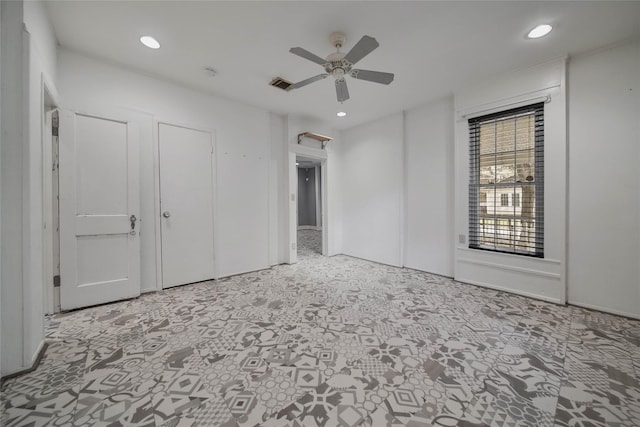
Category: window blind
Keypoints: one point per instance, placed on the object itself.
(506, 182)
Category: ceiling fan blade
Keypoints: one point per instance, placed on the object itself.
(304, 53)
(372, 76)
(341, 90)
(364, 47)
(308, 81)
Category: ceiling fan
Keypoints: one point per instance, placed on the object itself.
(339, 64)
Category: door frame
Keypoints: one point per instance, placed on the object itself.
(49, 161)
(51, 298)
(317, 170)
(156, 178)
(317, 195)
(316, 154)
(47, 92)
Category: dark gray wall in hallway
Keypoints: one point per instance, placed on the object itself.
(307, 196)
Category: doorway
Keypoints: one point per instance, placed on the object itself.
(186, 204)
(309, 218)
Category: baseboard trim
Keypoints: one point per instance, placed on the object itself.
(475, 283)
(446, 276)
(605, 310)
(510, 291)
(370, 260)
(226, 276)
(521, 270)
(36, 361)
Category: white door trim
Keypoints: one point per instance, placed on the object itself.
(46, 141)
(47, 211)
(317, 170)
(316, 154)
(292, 212)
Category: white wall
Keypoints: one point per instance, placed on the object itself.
(1, 117)
(333, 180)
(429, 187)
(604, 180)
(396, 192)
(32, 252)
(278, 185)
(32, 55)
(372, 188)
(42, 72)
(44, 42)
(540, 278)
(15, 85)
(243, 154)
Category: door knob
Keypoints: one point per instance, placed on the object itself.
(132, 220)
(166, 214)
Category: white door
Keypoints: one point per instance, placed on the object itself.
(186, 204)
(99, 209)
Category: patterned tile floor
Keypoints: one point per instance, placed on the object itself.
(332, 342)
(309, 243)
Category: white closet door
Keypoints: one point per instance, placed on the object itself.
(186, 202)
(99, 209)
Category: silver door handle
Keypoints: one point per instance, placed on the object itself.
(166, 214)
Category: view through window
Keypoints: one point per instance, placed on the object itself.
(507, 181)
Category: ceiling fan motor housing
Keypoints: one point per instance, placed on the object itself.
(337, 66)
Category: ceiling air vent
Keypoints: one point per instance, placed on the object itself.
(281, 83)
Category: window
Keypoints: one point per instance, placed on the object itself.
(507, 158)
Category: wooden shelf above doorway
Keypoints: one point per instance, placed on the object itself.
(322, 138)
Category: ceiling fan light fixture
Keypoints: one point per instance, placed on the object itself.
(150, 42)
(341, 114)
(337, 73)
(539, 31)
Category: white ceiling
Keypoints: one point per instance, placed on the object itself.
(433, 48)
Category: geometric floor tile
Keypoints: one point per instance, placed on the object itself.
(331, 342)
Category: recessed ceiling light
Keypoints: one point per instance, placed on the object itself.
(150, 42)
(540, 31)
(341, 114)
(297, 164)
